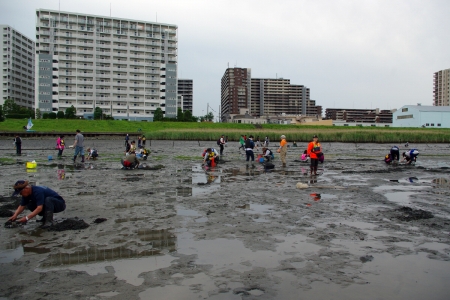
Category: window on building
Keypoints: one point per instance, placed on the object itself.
(427, 124)
(439, 124)
(432, 124)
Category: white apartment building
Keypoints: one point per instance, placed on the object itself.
(17, 71)
(128, 68)
(441, 89)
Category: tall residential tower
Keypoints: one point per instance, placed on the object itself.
(128, 68)
(442, 88)
(259, 97)
(186, 89)
(17, 71)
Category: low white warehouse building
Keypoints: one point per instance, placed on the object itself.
(422, 116)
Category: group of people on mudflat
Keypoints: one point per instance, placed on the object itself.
(314, 151)
(43, 201)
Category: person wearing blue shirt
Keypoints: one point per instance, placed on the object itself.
(40, 200)
(410, 156)
(395, 153)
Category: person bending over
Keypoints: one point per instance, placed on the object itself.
(40, 200)
(130, 161)
(410, 156)
(210, 155)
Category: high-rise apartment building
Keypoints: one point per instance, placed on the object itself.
(17, 71)
(186, 89)
(263, 96)
(235, 92)
(128, 68)
(442, 88)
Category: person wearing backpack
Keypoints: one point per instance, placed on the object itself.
(249, 146)
(268, 154)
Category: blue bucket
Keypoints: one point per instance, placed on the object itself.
(50, 157)
(261, 160)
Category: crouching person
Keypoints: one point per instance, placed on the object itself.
(210, 156)
(131, 161)
(40, 200)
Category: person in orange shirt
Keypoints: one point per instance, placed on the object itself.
(283, 150)
(314, 151)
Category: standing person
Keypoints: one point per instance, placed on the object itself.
(249, 146)
(395, 153)
(266, 142)
(143, 141)
(60, 145)
(127, 139)
(258, 142)
(139, 141)
(18, 144)
(221, 144)
(241, 142)
(283, 150)
(314, 151)
(127, 148)
(133, 146)
(40, 200)
(79, 146)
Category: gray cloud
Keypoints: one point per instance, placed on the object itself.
(358, 54)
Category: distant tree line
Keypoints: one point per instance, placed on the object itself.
(13, 111)
(182, 116)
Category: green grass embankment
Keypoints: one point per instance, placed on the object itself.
(212, 131)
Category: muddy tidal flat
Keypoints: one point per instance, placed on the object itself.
(173, 230)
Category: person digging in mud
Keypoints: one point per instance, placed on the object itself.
(410, 156)
(92, 154)
(314, 151)
(210, 155)
(40, 200)
(267, 154)
(130, 161)
(395, 153)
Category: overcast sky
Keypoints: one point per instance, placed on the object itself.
(351, 54)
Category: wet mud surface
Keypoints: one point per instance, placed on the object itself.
(173, 230)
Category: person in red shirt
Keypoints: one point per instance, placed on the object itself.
(314, 151)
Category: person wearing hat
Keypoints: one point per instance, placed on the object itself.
(40, 200)
(283, 150)
(314, 151)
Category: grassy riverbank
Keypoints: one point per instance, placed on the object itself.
(212, 131)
